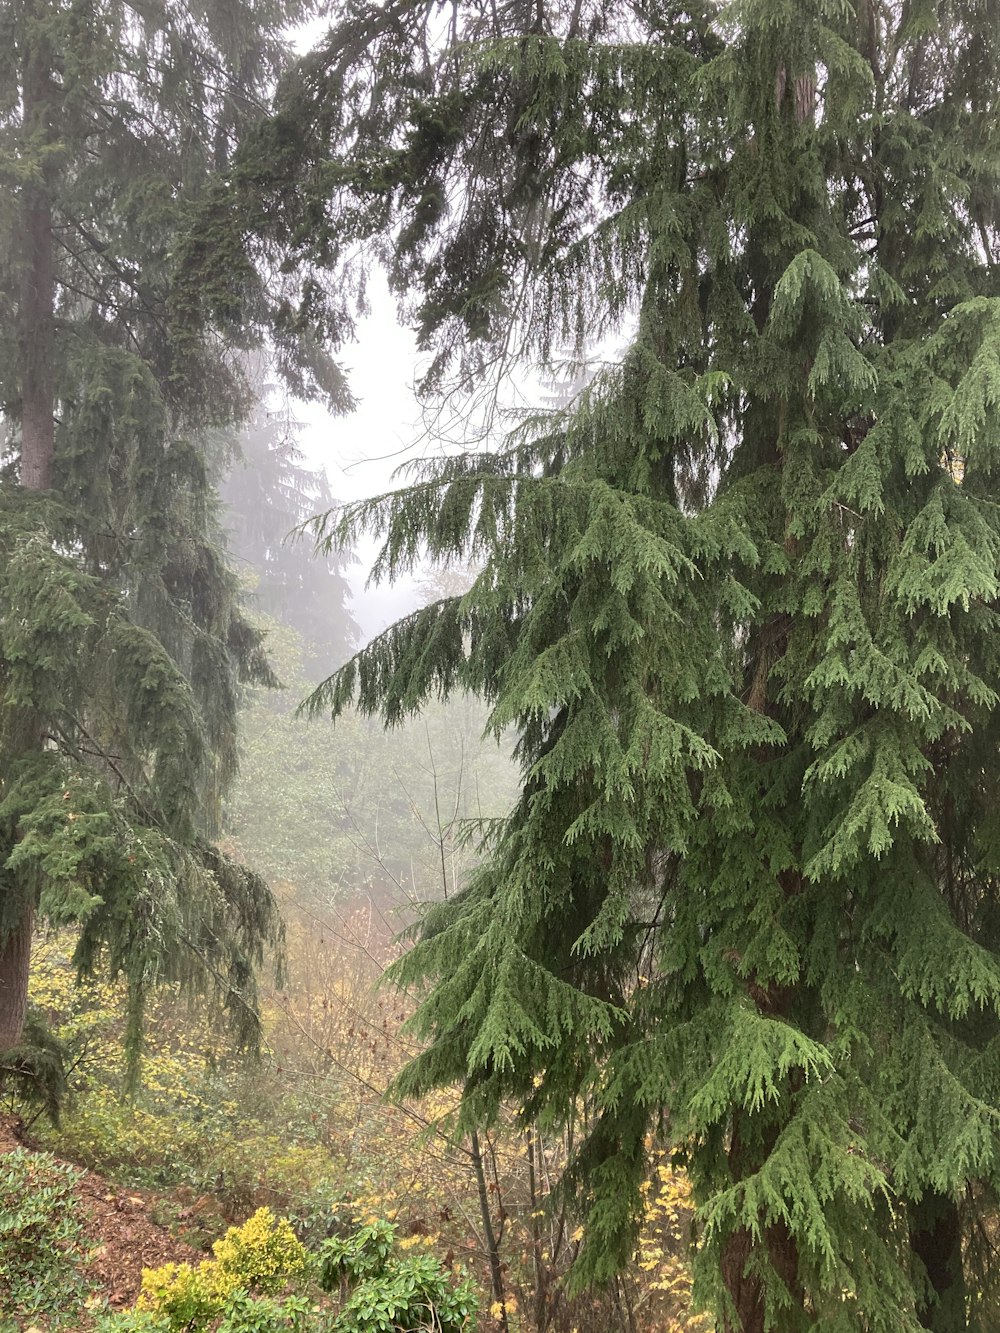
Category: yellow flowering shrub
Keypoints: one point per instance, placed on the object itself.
(263, 1254)
(189, 1298)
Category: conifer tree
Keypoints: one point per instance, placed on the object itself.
(740, 602)
(268, 493)
(122, 645)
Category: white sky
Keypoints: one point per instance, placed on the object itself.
(361, 451)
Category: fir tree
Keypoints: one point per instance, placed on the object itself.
(269, 493)
(122, 645)
(740, 603)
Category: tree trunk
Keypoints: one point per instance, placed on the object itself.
(744, 1289)
(15, 955)
(38, 282)
(37, 332)
(747, 1291)
(37, 312)
(489, 1235)
(936, 1240)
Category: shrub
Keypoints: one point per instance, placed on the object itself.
(264, 1314)
(261, 1256)
(391, 1293)
(40, 1234)
(188, 1298)
(132, 1321)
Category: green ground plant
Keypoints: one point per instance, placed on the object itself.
(261, 1279)
(259, 1259)
(389, 1292)
(41, 1241)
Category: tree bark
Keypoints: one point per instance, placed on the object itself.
(936, 1240)
(747, 1290)
(489, 1235)
(780, 1249)
(38, 283)
(15, 955)
(744, 1289)
(37, 312)
(36, 338)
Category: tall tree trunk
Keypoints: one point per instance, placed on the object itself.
(15, 955)
(37, 331)
(747, 1290)
(744, 1289)
(936, 1240)
(37, 314)
(38, 284)
(489, 1234)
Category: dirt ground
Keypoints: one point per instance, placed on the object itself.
(121, 1237)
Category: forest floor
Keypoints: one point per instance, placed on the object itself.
(120, 1238)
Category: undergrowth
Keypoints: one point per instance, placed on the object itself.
(261, 1279)
(306, 1134)
(41, 1242)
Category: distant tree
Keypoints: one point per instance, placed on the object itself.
(122, 643)
(372, 815)
(268, 493)
(740, 602)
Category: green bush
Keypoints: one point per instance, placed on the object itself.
(40, 1236)
(267, 1314)
(392, 1293)
(132, 1321)
(242, 1313)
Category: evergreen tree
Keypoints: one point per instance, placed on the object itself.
(122, 645)
(741, 603)
(269, 494)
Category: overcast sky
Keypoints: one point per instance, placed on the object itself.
(361, 451)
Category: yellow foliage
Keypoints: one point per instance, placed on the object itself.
(665, 1295)
(188, 1297)
(263, 1254)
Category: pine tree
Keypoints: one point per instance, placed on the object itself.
(269, 493)
(122, 644)
(740, 603)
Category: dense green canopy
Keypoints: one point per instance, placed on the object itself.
(740, 601)
(122, 643)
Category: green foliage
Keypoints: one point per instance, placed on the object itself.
(738, 601)
(132, 1321)
(246, 1314)
(123, 647)
(41, 1237)
(33, 1073)
(268, 493)
(389, 1292)
(355, 1258)
(368, 811)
